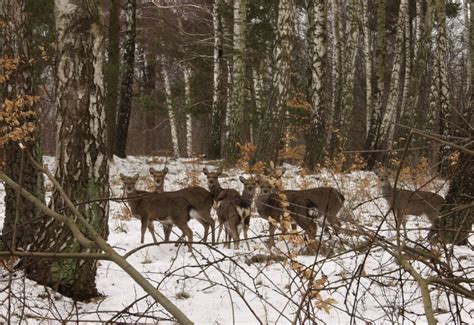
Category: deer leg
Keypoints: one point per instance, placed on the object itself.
(186, 232)
(245, 230)
(151, 229)
(271, 230)
(167, 231)
(210, 223)
(144, 225)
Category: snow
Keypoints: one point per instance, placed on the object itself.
(214, 285)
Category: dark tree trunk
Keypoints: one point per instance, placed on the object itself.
(19, 85)
(456, 227)
(271, 130)
(112, 74)
(126, 91)
(316, 136)
(82, 164)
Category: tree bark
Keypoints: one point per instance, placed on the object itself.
(316, 138)
(374, 128)
(236, 113)
(218, 108)
(19, 85)
(271, 129)
(82, 165)
(189, 118)
(169, 104)
(112, 74)
(126, 89)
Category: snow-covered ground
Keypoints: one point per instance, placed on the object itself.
(213, 285)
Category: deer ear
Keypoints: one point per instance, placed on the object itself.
(122, 176)
(205, 171)
(242, 179)
(165, 170)
(136, 177)
(219, 171)
(283, 170)
(267, 171)
(152, 170)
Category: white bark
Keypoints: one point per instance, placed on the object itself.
(368, 65)
(388, 121)
(169, 104)
(189, 120)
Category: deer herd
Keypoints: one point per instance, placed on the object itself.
(233, 209)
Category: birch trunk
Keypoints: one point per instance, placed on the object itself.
(389, 118)
(374, 130)
(169, 105)
(317, 46)
(218, 109)
(368, 65)
(189, 119)
(19, 86)
(112, 74)
(348, 56)
(271, 129)
(236, 112)
(126, 90)
(81, 157)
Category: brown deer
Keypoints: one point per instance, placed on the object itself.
(405, 202)
(302, 210)
(234, 212)
(149, 207)
(218, 193)
(328, 200)
(200, 198)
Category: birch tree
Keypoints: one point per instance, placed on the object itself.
(271, 128)
(19, 104)
(112, 73)
(189, 119)
(218, 108)
(389, 118)
(170, 107)
(126, 90)
(374, 127)
(317, 45)
(236, 112)
(81, 157)
(346, 43)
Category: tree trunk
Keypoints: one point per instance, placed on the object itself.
(218, 109)
(236, 113)
(169, 104)
(456, 227)
(271, 128)
(316, 138)
(112, 74)
(347, 49)
(189, 119)
(389, 118)
(82, 165)
(374, 128)
(19, 86)
(368, 65)
(126, 91)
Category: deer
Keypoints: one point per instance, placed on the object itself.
(234, 213)
(406, 202)
(149, 207)
(302, 209)
(218, 193)
(199, 197)
(328, 199)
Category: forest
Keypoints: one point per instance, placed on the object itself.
(237, 161)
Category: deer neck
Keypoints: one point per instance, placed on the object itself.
(159, 187)
(246, 197)
(387, 190)
(215, 190)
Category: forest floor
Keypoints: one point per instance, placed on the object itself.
(214, 285)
